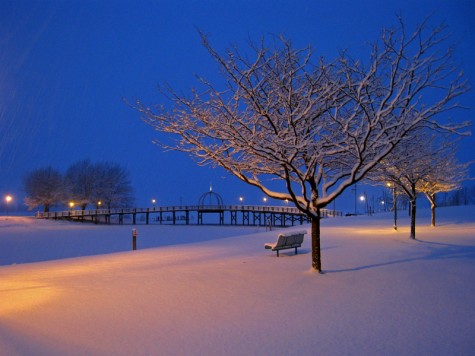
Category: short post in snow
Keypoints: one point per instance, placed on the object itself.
(134, 239)
(268, 223)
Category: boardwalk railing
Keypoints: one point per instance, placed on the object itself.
(261, 214)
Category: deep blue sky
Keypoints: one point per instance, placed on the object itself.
(66, 65)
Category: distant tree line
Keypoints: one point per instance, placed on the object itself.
(103, 184)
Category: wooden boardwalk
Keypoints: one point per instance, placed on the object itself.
(256, 215)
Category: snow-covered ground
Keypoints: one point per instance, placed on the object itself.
(211, 290)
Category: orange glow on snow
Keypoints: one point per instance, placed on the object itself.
(18, 296)
(19, 293)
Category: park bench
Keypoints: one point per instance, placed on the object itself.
(286, 241)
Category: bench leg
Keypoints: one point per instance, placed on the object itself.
(296, 250)
(277, 253)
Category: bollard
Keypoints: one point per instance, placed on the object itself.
(134, 239)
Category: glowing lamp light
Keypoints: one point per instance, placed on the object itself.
(71, 204)
(362, 198)
(8, 199)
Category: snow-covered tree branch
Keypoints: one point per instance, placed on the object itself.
(318, 127)
(446, 174)
(425, 162)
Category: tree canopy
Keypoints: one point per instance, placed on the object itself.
(43, 186)
(315, 127)
(83, 184)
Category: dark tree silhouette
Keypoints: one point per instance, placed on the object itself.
(43, 186)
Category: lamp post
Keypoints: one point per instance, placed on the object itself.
(8, 199)
(71, 206)
(364, 199)
(354, 189)
(393, 187)
(241, 199)
(153, 202)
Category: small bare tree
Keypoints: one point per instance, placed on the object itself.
(43, 186)
(79, 182)
(112, 185)
(425, 162)
(446, 174)
(406, 167)
(89, 183)
(316, 128)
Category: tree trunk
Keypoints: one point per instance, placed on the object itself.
(432, 209)
(316, 252)
(413, 212)
(413, 219)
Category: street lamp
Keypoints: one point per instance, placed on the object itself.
(71, 206)
(153, 202)
(264, 200)
(364, 199)
(393, 187)
(355, 190)
(8, 199)
(241, 199)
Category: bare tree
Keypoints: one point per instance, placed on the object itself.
(79, 183)
(316, 129)
(425, 162)
(446, 174)
(43, 186)
(105, 182)
(406, 167)
(112, 185)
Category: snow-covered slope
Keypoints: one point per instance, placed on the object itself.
(216, 290)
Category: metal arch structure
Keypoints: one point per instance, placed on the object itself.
(210, 202)
(210, 199)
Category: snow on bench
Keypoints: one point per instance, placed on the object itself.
(286, 241)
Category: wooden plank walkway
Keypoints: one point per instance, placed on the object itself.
(257, 215)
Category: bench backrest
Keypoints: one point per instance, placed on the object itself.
(287, 240)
